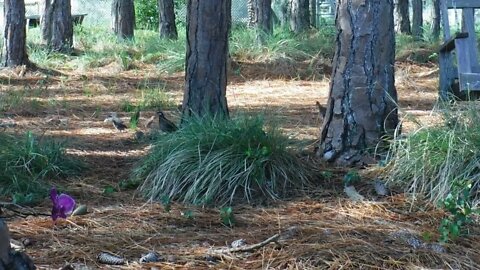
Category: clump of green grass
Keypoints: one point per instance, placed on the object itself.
(212, 161)
(431, 160)
(25, 162)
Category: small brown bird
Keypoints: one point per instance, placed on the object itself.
(165, 124)
(117, 122)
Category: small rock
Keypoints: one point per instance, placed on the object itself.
(80, 210)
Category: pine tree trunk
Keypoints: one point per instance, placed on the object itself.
(282, 8)
(436, 19)
(417, 19)
(62, 26)
(251, 13)
(299, 15)
(166, 19)
(361, 108)
(403, 17)
(14, 49)
(263, 19)
(313, 13)
(46, 21)
(206, 61)
(123, 14)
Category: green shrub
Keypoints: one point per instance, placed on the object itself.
(211, 161)
(26, 162)
(146, 14)
(430, 160)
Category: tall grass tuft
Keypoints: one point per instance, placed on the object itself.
(432, 160)
(214, 162)
(26, 162)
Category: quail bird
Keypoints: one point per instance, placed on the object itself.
(117, 122)
(149, 122)
(165, 124)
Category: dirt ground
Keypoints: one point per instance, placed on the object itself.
(320, 230)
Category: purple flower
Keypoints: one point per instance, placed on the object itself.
(63, 204)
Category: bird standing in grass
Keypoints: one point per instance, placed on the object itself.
(165, 124)
(117, 122)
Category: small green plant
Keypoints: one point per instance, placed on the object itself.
(128, 184)
(109, 190)
(167, 203)
(26, 161)
(459, 206)
(134, 118)
(351, 177)
(227, 217)
(155, 98)
(188, 214)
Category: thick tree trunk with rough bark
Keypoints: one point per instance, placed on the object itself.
(403, 17)
(417, 19)
(262, 19)
(46, 21)
(123, 14)
(313, 13)
(436, 19)
(281, 7)
(299, 15)
(14, 48)
(62, 26)
(206, 61)
(361, 107)
(10, 259)
(166, 19)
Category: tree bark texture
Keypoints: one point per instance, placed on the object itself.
(436, 19)
(417, 19)
(361, 107)
(14, 49)
(263, 19)
(251, 13)
(10, 259)
(313, 13)
(62, 26)
(123, 14)
(403, 17)
(46, 21)
(299, 15)
(206, 60)
(166, 19)
(281, 7)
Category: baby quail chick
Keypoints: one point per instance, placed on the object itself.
(165, 124)
(117, 122)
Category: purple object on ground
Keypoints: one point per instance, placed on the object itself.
(63, 204)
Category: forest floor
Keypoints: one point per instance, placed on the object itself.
(326, 230)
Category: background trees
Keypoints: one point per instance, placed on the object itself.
(403, 17)
(299, 15)
(123, 14)
(57, 27)
(166, 19)
(362, 100)
(14, 52)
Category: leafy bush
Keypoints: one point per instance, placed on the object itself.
(431, 160)
(212, 161)
(26, 162)
(146, 14)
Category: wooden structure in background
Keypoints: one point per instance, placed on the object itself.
(462, 76)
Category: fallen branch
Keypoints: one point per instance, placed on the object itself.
(248, 247)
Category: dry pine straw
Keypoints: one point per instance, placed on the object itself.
(327, 235)
(332, 232)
